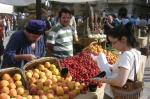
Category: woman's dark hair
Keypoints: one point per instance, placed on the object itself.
(124, 31)
(65, 10)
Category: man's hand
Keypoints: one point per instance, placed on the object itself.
(29, 57)
(26, 57)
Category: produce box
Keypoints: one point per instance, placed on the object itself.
(94, 47)
(13, 84)
(13, 70)
(44, 78)
(83, 42)
(86, 41)
(36, 69)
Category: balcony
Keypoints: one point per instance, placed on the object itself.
(117, 1)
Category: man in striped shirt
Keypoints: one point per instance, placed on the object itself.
(60, 38)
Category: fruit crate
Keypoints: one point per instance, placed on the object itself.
(83, 43)
(86, 41)
(32, 64)
(13, 70)
(91, 44)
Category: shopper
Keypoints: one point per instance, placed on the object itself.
(123, 40)
(60, 38)
(26, 45)
(1, 38)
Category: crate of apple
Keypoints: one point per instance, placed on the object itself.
(82, 67)
(12, 84)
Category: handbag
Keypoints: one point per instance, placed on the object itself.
(131, 90)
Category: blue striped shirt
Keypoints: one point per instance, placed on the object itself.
(19, 44)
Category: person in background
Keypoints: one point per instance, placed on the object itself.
(123, 40)
(116, 20)
(5, 23)
(60, 38)
(108, 24)
(1, 38)
(73, 21)
(143, 27)
(26, 45)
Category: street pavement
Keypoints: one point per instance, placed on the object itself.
(146, 91)
(6, 39)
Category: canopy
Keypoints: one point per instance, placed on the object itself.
(19, 2)
(74, 1)
(6, 8)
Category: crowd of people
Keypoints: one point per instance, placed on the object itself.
(141, 24)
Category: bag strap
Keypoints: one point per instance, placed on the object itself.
(134, 67)
(135, 75)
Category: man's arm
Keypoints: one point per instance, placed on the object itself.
(27, 57)
(50, 42)
(76, 39)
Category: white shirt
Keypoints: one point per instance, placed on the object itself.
(128, 59)
(148, 21)
(137, 21)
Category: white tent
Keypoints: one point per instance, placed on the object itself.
(19, 2)
(74, 1)
(27, 2)
(4, 8)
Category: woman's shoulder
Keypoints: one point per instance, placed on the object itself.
(132, 52)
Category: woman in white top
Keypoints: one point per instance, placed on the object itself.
(123, 40)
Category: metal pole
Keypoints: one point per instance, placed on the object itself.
(38, 9)
(107, 4)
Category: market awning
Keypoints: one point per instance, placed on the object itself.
(6, 8)
(74, 1)
(19, 2)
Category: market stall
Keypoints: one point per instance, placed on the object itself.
(45, 77)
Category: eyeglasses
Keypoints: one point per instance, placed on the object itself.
(114, 42)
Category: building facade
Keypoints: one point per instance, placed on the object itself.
(134, 7)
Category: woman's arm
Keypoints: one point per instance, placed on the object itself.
(120, 79)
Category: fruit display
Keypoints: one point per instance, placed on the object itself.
(111, 57)
(45, 81)
(81, 67)
(12, 84)
(96, 48)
